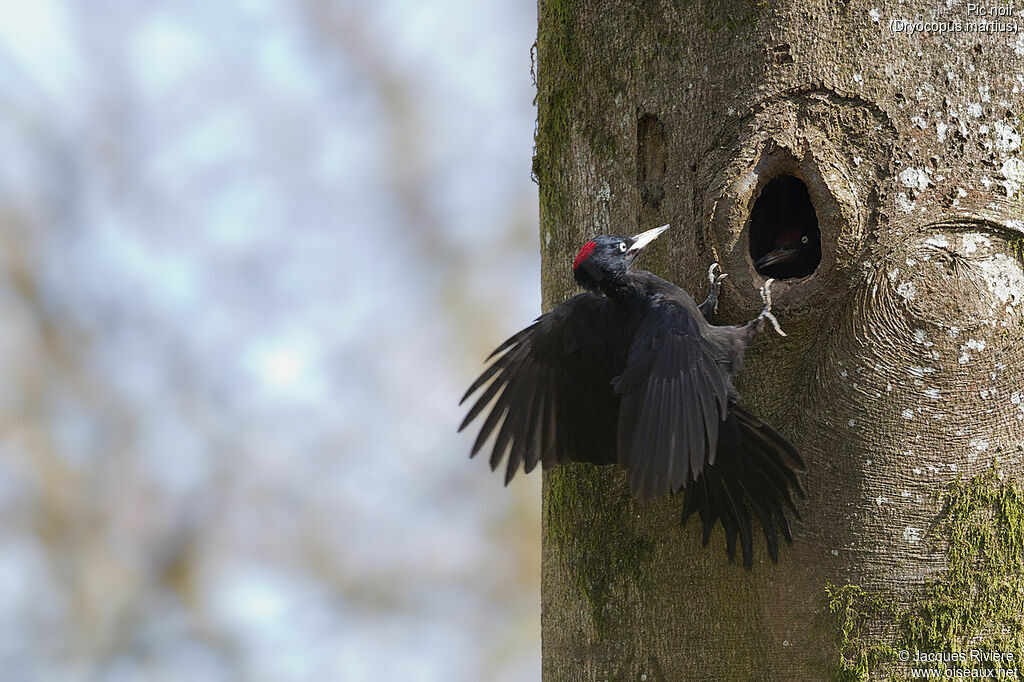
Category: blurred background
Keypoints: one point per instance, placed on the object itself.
(251, 254)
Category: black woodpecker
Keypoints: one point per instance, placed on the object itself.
(633, 372)
(794, 253)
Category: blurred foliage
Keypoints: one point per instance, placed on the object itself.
(250, 253)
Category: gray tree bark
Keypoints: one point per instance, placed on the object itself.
(903, 370)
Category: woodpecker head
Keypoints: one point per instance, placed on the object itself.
(605, 261)
(794, 253)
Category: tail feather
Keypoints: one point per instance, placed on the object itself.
(755, 474)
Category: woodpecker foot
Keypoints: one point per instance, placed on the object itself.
(716, 280)
(709, 307)
(766, 314)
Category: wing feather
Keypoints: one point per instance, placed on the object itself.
(670, 417)
(680, 428)
(548, 391)
(670, 386)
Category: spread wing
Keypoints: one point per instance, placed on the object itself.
(550, 385)
(673, 400)
(679, 429)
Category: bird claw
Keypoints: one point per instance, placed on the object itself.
(709, 307)
(766, 314)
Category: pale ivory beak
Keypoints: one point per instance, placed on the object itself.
(644, 238)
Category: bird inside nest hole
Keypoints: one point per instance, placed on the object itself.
(785, 240)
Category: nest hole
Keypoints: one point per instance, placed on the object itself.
(785, 241)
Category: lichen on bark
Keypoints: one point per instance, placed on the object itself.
(978, 604)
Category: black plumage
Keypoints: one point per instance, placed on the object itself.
(633, 372)
(794, 253)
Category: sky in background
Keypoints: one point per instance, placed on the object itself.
(251, 254)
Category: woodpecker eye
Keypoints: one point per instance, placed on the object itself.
(783, 231)
(623, 246)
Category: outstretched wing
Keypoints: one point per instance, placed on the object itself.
(755, 472)
(551, 390)
(673, 400)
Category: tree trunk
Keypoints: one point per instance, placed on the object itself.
(902, 378)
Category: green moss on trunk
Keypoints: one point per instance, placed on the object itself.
(1017, 248)
(977, 605)
(588, 520)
